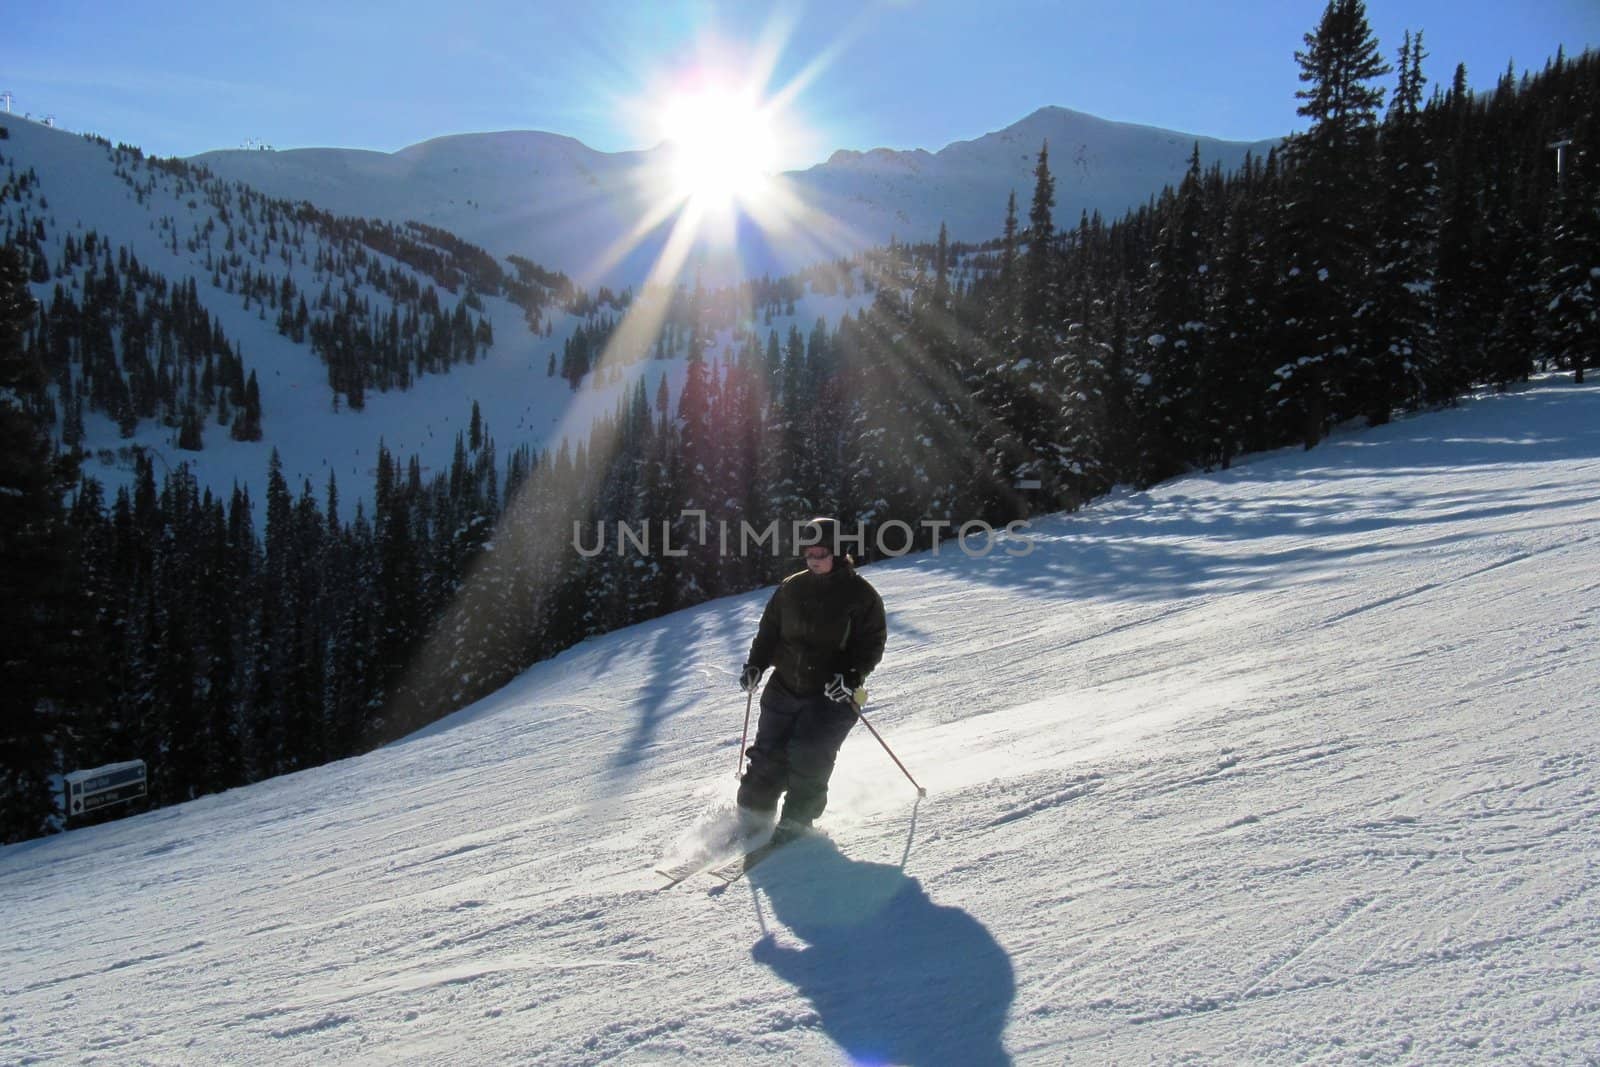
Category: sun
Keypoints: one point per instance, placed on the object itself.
(713, 193)
(723, 147)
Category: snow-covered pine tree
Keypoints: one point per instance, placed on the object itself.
(1571, 269)
(1177, 345)
(1327, 287)
(1400, 350)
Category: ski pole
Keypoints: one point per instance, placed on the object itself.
(738, 772)
(921, 792)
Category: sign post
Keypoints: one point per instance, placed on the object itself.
(115, 783)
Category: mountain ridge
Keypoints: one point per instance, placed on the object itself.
(553, 199)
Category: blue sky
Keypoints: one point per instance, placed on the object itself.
(181, 78)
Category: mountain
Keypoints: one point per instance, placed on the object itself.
(540, 195)
(238, 226)
(121, 247)
(1291, 762)
(1098, 165)
(557, 202)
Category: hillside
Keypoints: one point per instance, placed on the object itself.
(561, 203)
(541, 195)
(418, 323)
(1290, 763)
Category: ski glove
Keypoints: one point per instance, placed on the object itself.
(842, 689)
(748, 678)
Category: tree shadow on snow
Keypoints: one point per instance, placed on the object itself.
(894, 977)
(1161, 544)
(694, 659)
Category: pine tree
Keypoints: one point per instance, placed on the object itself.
(1038, 283)
(1327, 289)
(1464, 276)
(190, 437)
(1247, 312)
(1340, 60)
(247, 423)
(1572, 284)
(220, 581)
(1017, 384)
(33, 574)
(694, 480)
(1177, 348)
(177, 757)
(397, 581)
(1400, 349)
(821, 411)
(1006, 304)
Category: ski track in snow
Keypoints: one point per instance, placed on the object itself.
(1290, 763)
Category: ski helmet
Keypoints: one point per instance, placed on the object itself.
(819, 531)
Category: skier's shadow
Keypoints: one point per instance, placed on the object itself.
(894, 977)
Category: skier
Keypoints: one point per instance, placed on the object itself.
(822, 633)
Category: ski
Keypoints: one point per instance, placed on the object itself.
(706, 862)
(685, 871)
(733, 858)
(736, 869)
(731, 872)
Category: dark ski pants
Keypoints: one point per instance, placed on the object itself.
(797, 741)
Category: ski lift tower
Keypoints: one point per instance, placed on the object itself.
(6, 98)
(1560, 149)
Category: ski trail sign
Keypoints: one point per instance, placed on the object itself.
(115, 783)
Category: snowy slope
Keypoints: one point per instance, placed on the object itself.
(561, 203)
(82, 192)
(1290, 763)
(541, 195)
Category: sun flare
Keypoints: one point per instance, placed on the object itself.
(712, 197)
(723, 147)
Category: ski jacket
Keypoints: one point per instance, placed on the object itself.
(816, 626)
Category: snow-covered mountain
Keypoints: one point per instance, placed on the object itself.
(1098, 165)
(554, 200)
(1291, 763)
(544, 196)
(238, 234)
(61, 191)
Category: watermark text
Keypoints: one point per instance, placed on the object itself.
(695, 529)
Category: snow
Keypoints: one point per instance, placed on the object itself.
(554, 200)
(558, 202)
(1294, 762)
(518, 401)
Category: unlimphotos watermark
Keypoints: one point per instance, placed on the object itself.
(976, 538)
